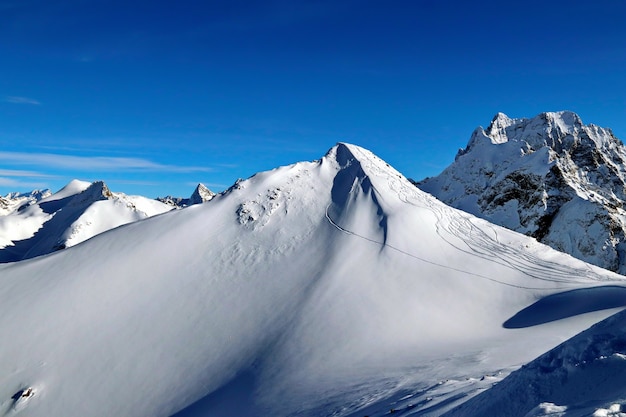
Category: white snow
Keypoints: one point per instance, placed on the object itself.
(586, 375)
(72, 188)
(332, 287)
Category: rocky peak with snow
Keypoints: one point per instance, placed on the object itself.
(200, 195)
(96, 191)
(551, 177)
(560, 131)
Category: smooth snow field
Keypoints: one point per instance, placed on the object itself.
(325, 288)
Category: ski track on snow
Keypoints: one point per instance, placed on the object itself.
(480, 244)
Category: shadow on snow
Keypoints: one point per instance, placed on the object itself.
(567, 304)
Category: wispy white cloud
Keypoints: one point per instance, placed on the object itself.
(21, 100)
(22, 173)
(92, 163)
(19, 184)
(17, 179)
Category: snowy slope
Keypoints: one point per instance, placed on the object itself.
(72, 215)
(584, 376)
(332, 287)
(550, 177)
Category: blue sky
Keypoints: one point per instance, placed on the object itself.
(155, 96)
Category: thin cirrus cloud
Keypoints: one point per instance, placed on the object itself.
(13, 183)
(17, 178)
(21, 173)
(21, 100)
(91, 163)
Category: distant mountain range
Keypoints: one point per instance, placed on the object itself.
(15, 201)
(40, 222)
(550, 177)
(37, 223)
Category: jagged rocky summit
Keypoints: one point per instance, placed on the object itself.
(200, 195)
(551, 177)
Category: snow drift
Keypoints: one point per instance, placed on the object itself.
(585, 376)
(332, 287)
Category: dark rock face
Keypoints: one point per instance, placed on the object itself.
(550, 177)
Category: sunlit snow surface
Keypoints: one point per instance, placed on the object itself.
(332, 287)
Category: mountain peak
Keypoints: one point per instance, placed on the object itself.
(560, 131)
(341, 153)
(537, 176)
(201, 195)
(345, 154)
(497, 128)
(96, 191)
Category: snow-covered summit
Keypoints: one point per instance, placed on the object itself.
(201, 195)
(551, 177)
(331, 287)
(559, 131)
(77, 212)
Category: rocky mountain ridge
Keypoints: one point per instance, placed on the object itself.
(550, 177)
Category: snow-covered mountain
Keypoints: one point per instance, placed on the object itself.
(200, 195)
(16, 201)
(550, 177)
(39, 223)
(325, 288)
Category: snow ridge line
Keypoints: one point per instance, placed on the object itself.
(384, 244)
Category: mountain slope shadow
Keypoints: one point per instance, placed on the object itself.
(233, 399)
(37, 244)
(567, 304)
(345, 182)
